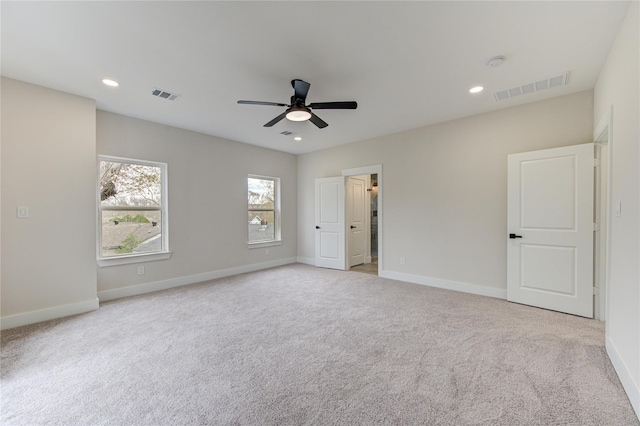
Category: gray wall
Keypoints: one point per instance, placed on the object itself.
(618, 86)
(48, 165)
(444, 189)
(207, 201)
(50, 142)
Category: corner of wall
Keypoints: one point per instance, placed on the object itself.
(48, 258)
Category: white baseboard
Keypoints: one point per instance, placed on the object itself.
(628, 383)
(307, 260)
(135, 290)
(33, 317)
(481, 290)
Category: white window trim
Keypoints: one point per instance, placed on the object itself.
(259, 244)
(140, 257)
(136, 258)
(277, 241)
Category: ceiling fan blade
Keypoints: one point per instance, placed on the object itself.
(275, 120)
(262, 103)
(301, 88)
(334, 105)
(318, 121)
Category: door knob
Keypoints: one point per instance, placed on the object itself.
(317, 227)
(514, 236)
(353, 227)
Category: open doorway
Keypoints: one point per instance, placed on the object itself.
(373, 203)
(370, 263)
(332, 207)
(372, 175)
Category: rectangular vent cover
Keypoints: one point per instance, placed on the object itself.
(164, 95)
(535, 86)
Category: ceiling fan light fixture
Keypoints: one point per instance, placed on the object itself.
(298, 114)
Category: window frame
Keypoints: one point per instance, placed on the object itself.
(129, 258)
(277, 212)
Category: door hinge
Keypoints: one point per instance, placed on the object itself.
(596, 226)
(596, 162)
(596, 291)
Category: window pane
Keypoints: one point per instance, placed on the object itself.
(261, 226)
(261, 193)
(130, 232)
(132, 185)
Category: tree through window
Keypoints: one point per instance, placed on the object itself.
(132, 207)
(263, 209)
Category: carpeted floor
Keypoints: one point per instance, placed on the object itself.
(298, 345)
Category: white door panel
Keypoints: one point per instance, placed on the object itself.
(550, 217)
(329, 245)
(356, 219)
(548, 193)
(330, 232)
(548, 268)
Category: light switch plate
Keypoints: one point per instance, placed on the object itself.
(23, 212)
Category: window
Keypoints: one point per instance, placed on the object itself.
(263, 198)
(132, 211)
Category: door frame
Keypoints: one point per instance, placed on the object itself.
(369, 170)
(603, 138)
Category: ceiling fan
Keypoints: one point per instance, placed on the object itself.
(298, 111)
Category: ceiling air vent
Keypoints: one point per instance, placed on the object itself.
(534, 86)
(164, 95)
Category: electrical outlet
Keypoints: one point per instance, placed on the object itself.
(402, 260)
(266, 252)
(140, 270)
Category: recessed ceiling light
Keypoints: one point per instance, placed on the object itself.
(476, 89)
(110, 82)
(297, 138)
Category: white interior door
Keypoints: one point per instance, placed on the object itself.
(550, 225)
(356, 217)
(330, 229)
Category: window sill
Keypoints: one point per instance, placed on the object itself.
(264, 244)
(136, 258)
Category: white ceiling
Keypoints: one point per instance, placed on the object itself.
(407, 64)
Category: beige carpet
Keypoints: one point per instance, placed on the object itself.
(296, 345)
